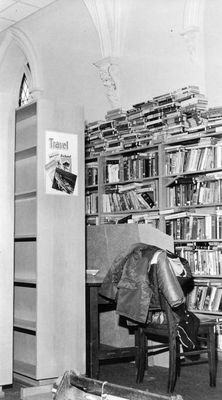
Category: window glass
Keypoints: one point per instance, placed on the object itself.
(24, 92)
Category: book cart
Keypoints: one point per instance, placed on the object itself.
(160, 163)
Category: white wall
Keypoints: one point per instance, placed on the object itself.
(66, 44)
(213, 51)
(155, 57)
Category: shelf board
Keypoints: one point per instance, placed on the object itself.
(196, 276)
(25, 324)
(91, 187)
(24, 369)
(197, 240)
(26, 195)
(136, 180)
(25, 153)
(176, 209)
(191, 137)
(197, 172)
(127, 151)
(126, 212)
(25, 281)
(211, 314)
(28, 236)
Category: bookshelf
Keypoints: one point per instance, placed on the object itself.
(192, 211)
(126, 187)
(49, 266)
(91, 190)
(167, 149)
(193, 199)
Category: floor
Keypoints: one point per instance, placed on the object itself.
(193, 383)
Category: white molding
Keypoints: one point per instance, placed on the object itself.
(27, 48)
(193, 27)
(4, 45)
(110, 19)
(17, 36)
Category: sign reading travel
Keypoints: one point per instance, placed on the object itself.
(61, 163)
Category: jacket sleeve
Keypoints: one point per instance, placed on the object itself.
(168, 282)
(109, 287)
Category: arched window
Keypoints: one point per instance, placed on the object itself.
(24, 91)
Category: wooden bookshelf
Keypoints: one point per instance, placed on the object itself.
(173, 142)
(49, 270)
(128, 185)
(193, 196)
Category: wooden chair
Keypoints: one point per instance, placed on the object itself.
(167, 337)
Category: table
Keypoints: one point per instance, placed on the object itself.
(95, 352)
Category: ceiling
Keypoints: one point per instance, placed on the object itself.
(12, 11)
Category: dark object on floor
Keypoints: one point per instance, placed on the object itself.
(80, 384)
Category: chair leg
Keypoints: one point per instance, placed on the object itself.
(141, 354)
(172, 375)
(178, 366)
(211, 355)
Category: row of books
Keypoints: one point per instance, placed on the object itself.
(91, 203)
(179, 112)
(192, 226)
(214, 120)
(132, 167)
(206, 296)
(91, 174)
(191, 191)
(193, 158)
(202, 261)
(132, 197)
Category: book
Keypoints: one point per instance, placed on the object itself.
(212, 298)
(148, 196)
(217, 299)
(206, 300)
(200, 297)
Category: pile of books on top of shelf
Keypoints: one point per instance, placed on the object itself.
(172, 115)
(214, 120)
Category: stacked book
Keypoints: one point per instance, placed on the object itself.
(169, 116)
(214, 120)
(138, 122)
(94, 143)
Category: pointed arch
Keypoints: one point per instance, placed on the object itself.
(13, 38)
(26, 46)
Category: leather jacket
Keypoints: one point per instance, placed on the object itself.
(129, 283)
